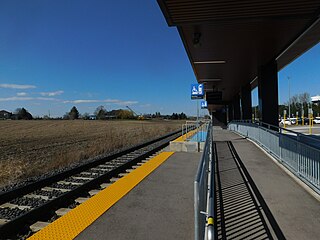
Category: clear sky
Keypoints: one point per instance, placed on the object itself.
(56, 54)
(304, 76)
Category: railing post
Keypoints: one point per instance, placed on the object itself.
(280, 145)
(299, 154)
(196, 210)
(182, 130)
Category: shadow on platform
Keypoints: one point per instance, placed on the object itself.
(241, 211)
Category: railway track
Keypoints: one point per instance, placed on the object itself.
(48, 199)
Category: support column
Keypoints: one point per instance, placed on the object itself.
(225, 114)
(236, 108)
(221, 115)
(246, 105)
(230, 112)
(268, 93)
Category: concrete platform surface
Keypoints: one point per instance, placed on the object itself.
(295, 210)
(160, 207)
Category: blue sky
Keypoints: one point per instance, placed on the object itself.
(91, 53)
(304, 74)
(57, 54)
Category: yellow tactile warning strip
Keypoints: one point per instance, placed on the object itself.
(184, 136)
(75, 221)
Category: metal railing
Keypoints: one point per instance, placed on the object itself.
(200, 126)
(296, 151)
(203, 191)
(187, 128)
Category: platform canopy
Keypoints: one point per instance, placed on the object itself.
(227, 41)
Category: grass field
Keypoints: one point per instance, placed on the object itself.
(33, 148)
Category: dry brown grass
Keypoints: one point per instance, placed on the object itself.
(32, 148)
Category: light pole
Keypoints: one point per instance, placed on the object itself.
(289, 98)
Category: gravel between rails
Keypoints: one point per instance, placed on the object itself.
(11, 213)
(32, 202)
(50, 194)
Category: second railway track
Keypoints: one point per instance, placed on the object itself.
(39, 201)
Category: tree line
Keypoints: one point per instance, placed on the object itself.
(299, 103)
(100, 114)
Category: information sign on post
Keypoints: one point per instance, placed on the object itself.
(197, 91)
(204, 105)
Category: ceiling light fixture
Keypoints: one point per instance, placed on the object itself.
(208, 89)
(210, 62)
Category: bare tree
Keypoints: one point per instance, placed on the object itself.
(100, 112)
(304, 98)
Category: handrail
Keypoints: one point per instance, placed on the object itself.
(301, 158)
(203, 182)
(281, 129)
(270, 126)
(199, 126)
(211, 199)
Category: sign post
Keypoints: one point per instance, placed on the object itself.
(310, 120)
(197, 93)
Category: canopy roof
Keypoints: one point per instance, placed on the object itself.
(228, 40)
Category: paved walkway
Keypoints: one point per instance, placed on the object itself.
(160, 207)
(295, 211)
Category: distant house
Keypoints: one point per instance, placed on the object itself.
(108, 116)
(5, 114)
(315, 99)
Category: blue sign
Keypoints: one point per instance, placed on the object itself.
(204, 104)
(197, 91)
